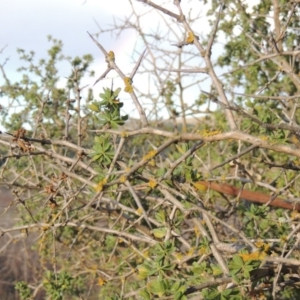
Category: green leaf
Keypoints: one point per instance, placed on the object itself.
(94, 107)
(160, 216)
(159, 232)
(144, 270)
(116, 93)
(157, 287)
(145, 295)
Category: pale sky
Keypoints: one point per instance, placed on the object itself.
(26, 24)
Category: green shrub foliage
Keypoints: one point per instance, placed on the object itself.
(196, 196)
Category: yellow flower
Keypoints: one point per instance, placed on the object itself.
(150, 155)
(124, 134)
(197, 231)
(264, 138)
(128, 89)
(99, 186)
(178, 255)
(152, 183)
(139, 211)
(146, 253)
(123, 179)
(203, 250)
(128, 85)
(101, 281)
(262, 246)
(152, 163)
(190, 251)
(127, 81)
(190, 38)
(111, 56)
(256, 255)
(207, 133)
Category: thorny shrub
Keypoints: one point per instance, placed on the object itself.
(161, 207)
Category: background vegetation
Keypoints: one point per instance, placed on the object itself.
(163, 206)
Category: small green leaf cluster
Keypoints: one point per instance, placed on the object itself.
(256, 220)
(158, 271)
(25, 292)
(226, 294)
(103, 150)
(108, 111)
(241, 269)
(59, 285)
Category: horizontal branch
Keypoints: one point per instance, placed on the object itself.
(45, 226)
(231, 135)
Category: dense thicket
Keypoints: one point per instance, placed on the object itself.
(196, 198)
